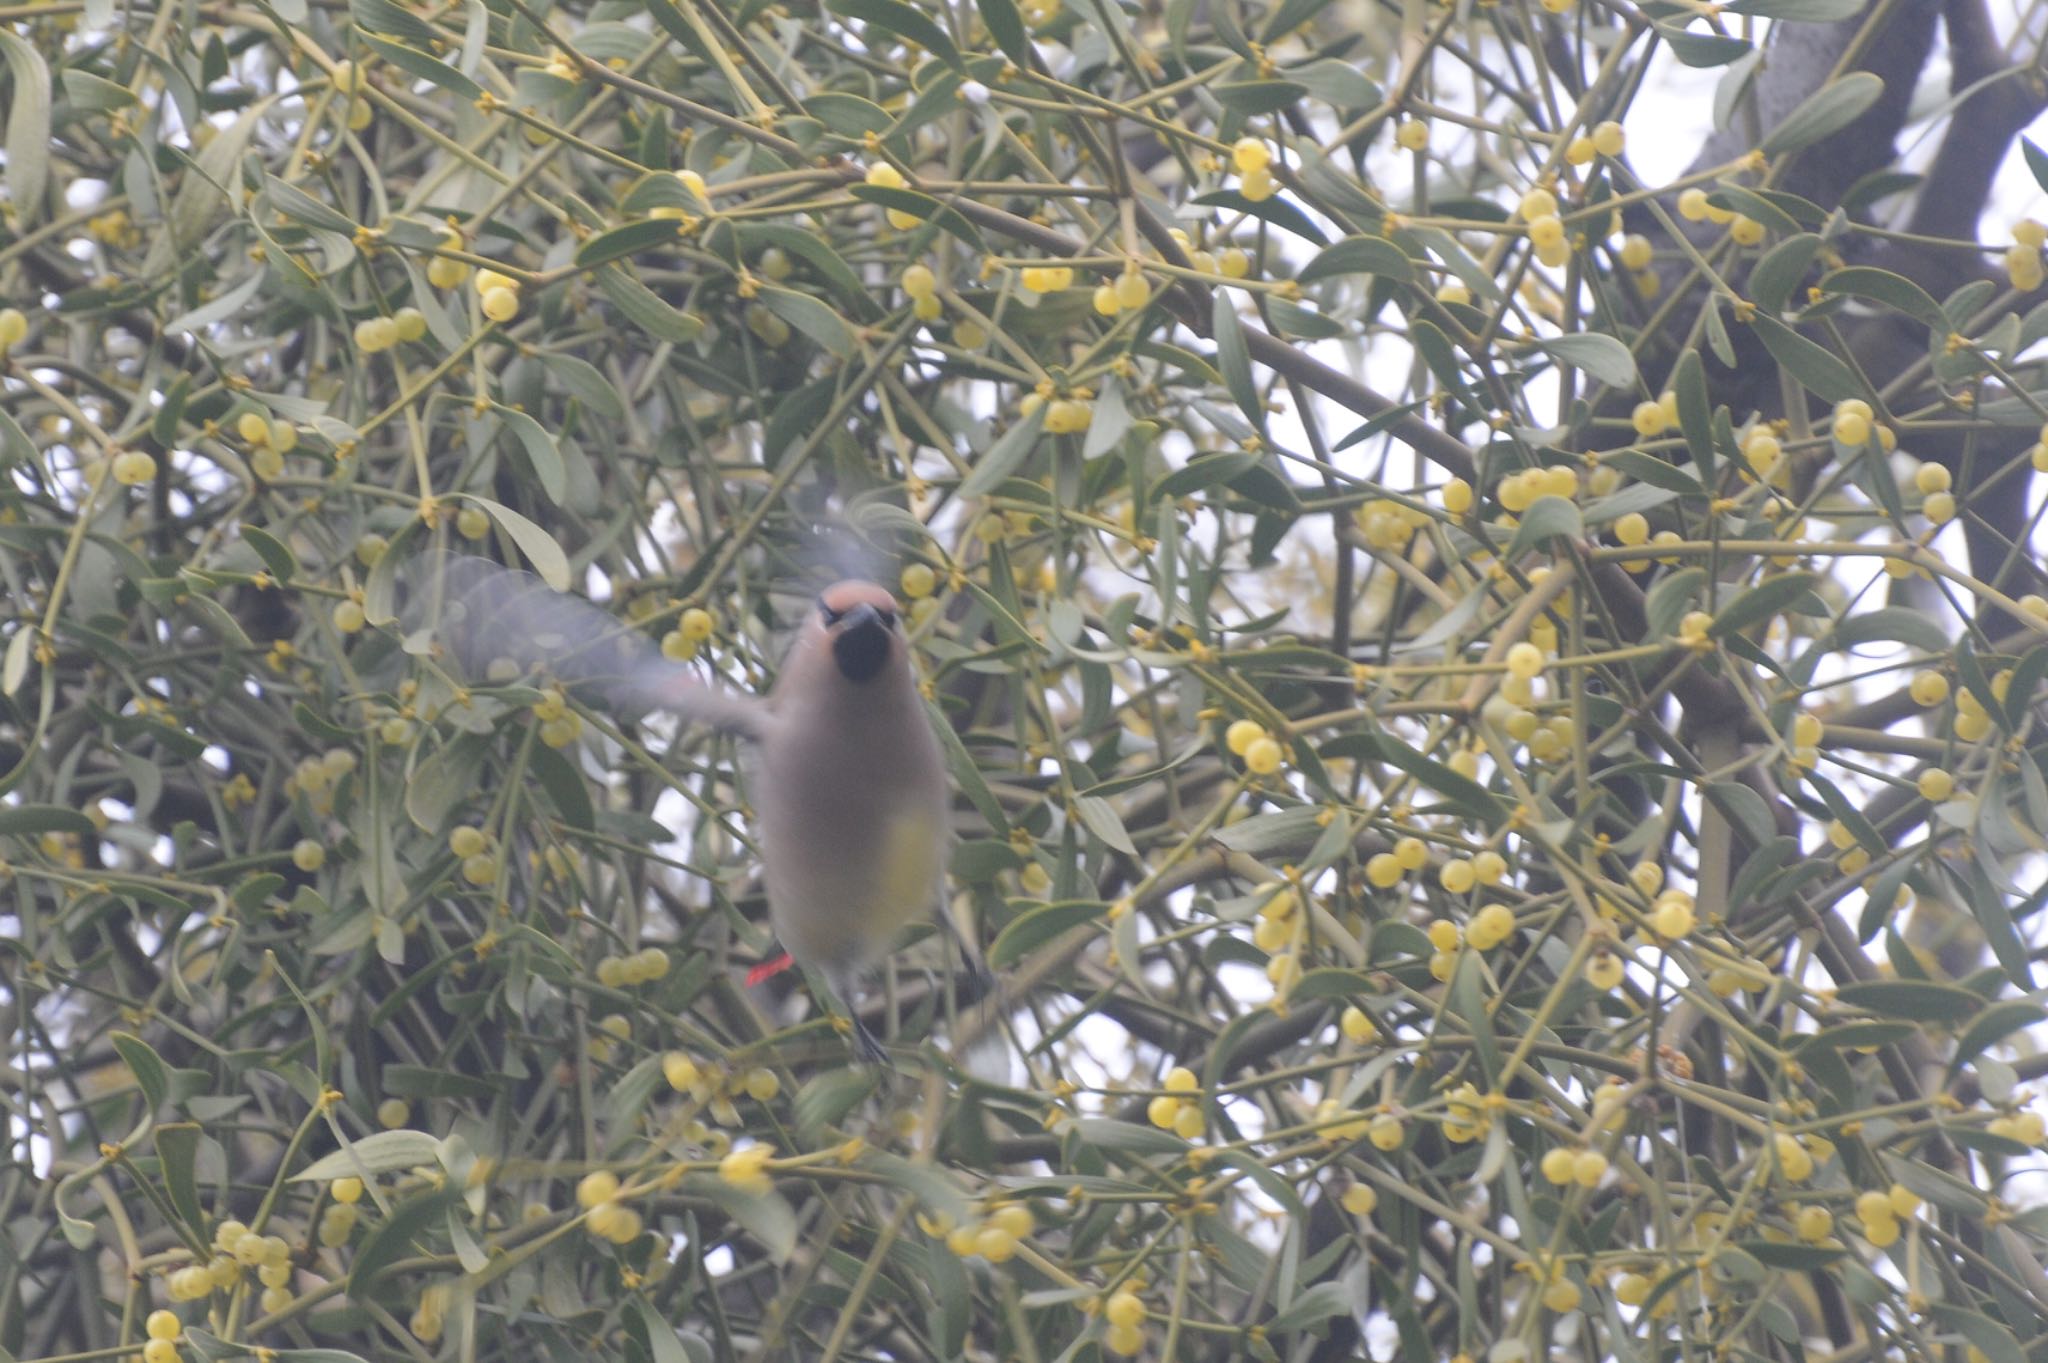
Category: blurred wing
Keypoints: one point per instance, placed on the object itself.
(498, 624)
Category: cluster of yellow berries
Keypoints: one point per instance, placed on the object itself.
(1881, 1212)
(1388, 525)
(1248, 739)
(338, 1218)
(1560, 1293)
(1673, 915)
(1047, 278)
(472, 846)
(13, 328)
(1459, 874)
(1538, 211)
(114, 228)
(1383, 870)
(1607, 139)
(994, 1237)
(1853, 426)
(922, 286)
(559, 725)
(1276, 925)
(2023, 258)
(1562, 1165)
(236, 1248)
(1233, 262)
(1797, 1158)
(270, 440)
(316, 777)
(1129, 292)
(442, 272)
(163, 1329)
(1653, 418)
(605, 1217)
(1973, 721)
(382, 333)
(1466, 1114)
(1063, 416)
(239, 791)
(648, 963)
(886, 176)
(1252, 159)
(1519, 490)
(1171, 1112)
(715, 1085)
(1937, 503)
(1125, 1314)
(1694, 206)
(607, 1035)
(693, 627)
(498, 295)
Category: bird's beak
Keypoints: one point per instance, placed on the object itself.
(860, 643)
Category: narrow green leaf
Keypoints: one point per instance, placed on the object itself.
(1005, 456)
(151, 1074)
(628, 240)
(540, 548)
(427, 67)
(646, 309)
(892, 16)
(1547, 518)
(1814, 366)
(1779, 272)
(28, 128)
(1233, 359)
(543, 460)
(923, 206)
(1601, 356)
(1892, 290)
(1006, 26)
(1827, 110)
(813, 318)
(1766, 599)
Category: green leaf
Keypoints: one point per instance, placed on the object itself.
(1252, 98)
(28, 128)
(1827, 110)
(151, 1074)
(924, 206)
(1005, 456)
(892, 16)
(1817, 368)
(1648, 468)
(1359, 255)
(20, 821)
(1892, 290)
(1669, 600)
(565, 786)
(1031, 930)
(1276, 211)
(645, 309)
(1233, 359)
(540, 548)
(1779, 272)
(1203, 472)
(765, 1216)
(394, 1239)
(826, 1098)
(848, 115)
(1997, 1343)
(1913, 1000)
(1601, 356)
(276, 555)
(1893, 624)
(1105, 1133)
(2037, 161)
(1992, 1026)
(543, 459)
(1766, 599)
(427, 67)
(813, 318)
(380, 1153)
(1743, 808)
(1547, 518)
(1006, 26)
(385, 16)
(628, 240)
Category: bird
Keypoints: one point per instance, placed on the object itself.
(852, 800)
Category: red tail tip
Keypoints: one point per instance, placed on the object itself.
(774, 965)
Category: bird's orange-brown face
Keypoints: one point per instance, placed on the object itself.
(859, 620)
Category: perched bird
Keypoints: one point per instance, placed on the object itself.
(851, 799)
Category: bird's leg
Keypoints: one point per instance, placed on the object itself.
(865, 1048)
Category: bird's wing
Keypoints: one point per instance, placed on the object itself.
(498, 623)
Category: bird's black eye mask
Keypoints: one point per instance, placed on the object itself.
(885, 614)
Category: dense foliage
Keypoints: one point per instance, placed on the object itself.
(1494, 704)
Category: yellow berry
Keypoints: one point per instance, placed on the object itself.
(1457, 876)
(1608, 138)
(1793, 1159)
(1746, 231)
(1258, 185)
(393, 1113)
(1557, 1164)
(1181, 1079)
(163, 1325)
(156, 1350)
(1647, 418)
(1939, 507)
(1443, 934)
(1692, 204)
(1385, 1132)
(1357, 1025)
(1588, 1167)
(1928, 688)
(1562, 1295)
(308, 855)
(1249, 154)
(1935, 785)
(348, 616)
(132, 468)
(409, 323)
(1382, 870)
(1133, 290)
(695, 625)
(1635, 252)
(1491, 926)
(1457, 494)
(501, 305)
(1124, 1309)
(1103, 300)
(1360, 1199)
(1490, 867)
(1262, 755)
(346, 1191)
(1632, 1289)
(1672, 918)
(1525, 660)
(597, 1186)
(1851, 427)
(1412, 135)
(1162, 1111)
(1124, 1340)
(13, 327)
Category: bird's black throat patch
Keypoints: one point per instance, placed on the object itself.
(860, 648)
